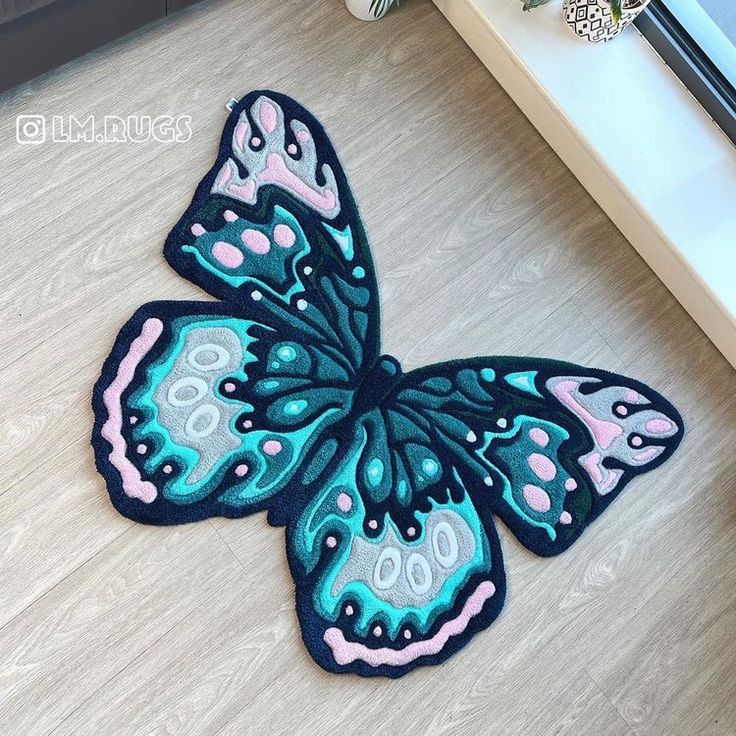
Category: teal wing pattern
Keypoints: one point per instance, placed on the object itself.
(546, 444)
(207, 413)
(209, 408)
(273, 229)
(396, 559)
(389, 579)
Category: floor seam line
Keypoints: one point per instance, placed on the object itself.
(222, 539)
(608, 700)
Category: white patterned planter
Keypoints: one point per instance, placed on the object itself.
(592, 19)
(362, 9)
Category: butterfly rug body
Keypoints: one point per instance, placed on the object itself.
(277, 398)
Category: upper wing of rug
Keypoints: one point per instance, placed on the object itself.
(202, 412)
(546, 445)
(274, 230)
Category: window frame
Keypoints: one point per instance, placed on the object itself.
(690, 63)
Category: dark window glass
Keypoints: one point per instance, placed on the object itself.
(697, 39)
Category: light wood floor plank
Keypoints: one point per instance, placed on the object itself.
(588, 712)
(50, 524)
(100, 618)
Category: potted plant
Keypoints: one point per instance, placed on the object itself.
(370, 9)
(597, 20)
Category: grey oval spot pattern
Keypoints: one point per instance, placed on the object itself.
(202, 422)
(424, 571)
(189, 407)
(186, 391)
(387, 569)
(444, 544)
(209, 357)
(418, 573)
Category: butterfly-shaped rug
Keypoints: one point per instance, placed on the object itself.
(277, 398)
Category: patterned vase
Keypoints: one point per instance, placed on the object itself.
(592, 19)
(362, 9)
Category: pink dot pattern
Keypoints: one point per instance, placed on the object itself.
(272, 447)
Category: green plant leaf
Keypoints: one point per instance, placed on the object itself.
(616, 10)
(531, 4)
(378, 7)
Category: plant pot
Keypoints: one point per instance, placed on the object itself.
(362, 9)
(592, 19)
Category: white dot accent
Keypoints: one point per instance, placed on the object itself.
(302, 304)
(256, 295)
(488, 480)
(503, 423)
(307, 270)
(471, 437)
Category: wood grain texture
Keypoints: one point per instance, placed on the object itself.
(484, 244)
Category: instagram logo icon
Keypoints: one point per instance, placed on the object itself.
(30, 129)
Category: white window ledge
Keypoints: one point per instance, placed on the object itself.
(633, 136)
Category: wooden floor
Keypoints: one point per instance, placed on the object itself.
(484, 243)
